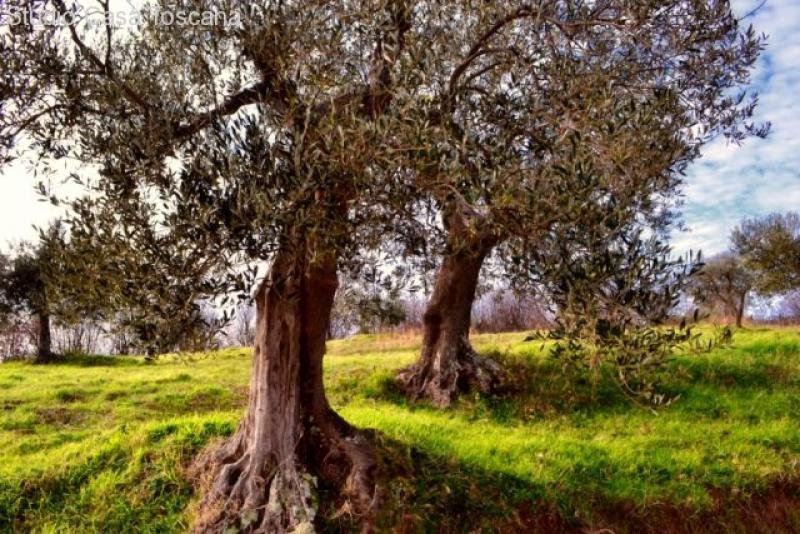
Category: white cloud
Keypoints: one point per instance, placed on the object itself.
(22, 208)
(731, 182)
(20, 205)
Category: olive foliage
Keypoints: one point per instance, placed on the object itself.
(215, 122)
(612, 289)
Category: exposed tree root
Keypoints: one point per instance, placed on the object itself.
(251, 489)
(443, 373)
(291, 443)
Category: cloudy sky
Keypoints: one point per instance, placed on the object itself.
(728, 183)
(760, 176)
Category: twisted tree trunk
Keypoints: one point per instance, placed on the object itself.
(264, 476)
(447, 364)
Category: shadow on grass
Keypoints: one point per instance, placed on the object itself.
(531, 388)
(427, 493)
(95, 360)
(116, 487)
(430, 493)
(423, 492)
(727, 375)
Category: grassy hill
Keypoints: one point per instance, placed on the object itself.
(103, 444)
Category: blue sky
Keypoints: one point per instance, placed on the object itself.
(760, 176)
(728, 183)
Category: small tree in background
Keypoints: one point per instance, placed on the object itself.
(24, 288)
(723, 285)
(243, 328)
(770, 248)
(14, 329)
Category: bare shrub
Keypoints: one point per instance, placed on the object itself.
(85, 337)
(506, 311)
(18, 337)
(243, 330)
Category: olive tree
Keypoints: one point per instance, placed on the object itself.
(24, 289)
(632, 89)
(250, 140)
(723, 285)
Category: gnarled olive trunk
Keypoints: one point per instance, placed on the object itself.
(44, 352)
(264, 476)
(447, 364)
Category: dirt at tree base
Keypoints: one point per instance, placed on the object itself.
(775, 511)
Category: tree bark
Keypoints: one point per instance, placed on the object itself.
(740, 310)
(44, 353)
(447, 364)
(264, 476)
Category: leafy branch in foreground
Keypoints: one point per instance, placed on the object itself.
(611, 294)
(636, 356)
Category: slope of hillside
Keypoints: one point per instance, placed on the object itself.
(102, 444)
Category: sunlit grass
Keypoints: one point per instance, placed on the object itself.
(98, 444)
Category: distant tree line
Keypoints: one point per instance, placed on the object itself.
(763, 260)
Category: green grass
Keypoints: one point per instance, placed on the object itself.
(101, 445)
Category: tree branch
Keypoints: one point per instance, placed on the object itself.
(475, 51)
(232, 104)
(132, 95)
